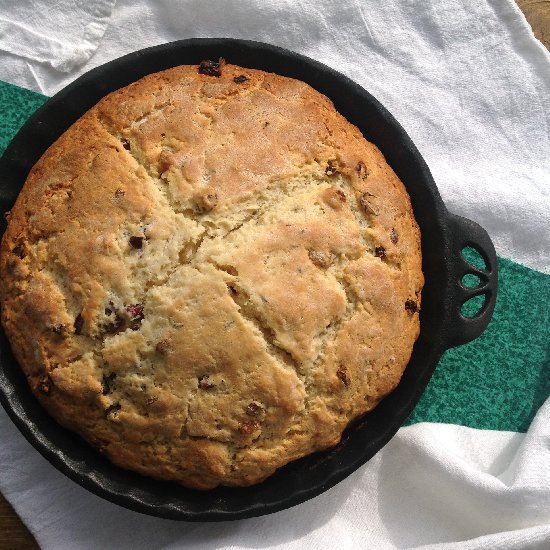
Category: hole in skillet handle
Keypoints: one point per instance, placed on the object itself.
(470, 280)
(475, 280)
(474, 258)
(472, 307)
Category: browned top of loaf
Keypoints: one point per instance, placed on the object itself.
(210, 276)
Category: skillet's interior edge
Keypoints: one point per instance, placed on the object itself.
(310, 476)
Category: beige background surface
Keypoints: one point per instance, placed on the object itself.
(14, 535)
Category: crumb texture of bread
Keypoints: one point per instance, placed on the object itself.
(210, 275)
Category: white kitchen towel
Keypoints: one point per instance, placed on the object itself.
(62, 34)
(471, 86)
(436, 486)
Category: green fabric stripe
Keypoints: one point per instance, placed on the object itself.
(16, 106)
(496, 382)
(499, 380)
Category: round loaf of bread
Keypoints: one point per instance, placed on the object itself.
(210, 274)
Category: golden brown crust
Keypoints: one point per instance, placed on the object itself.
(206, 277)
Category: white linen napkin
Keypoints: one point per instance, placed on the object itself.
(436, 486)
(62, 34)
(471, 86)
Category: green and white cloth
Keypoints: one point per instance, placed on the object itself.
(471, 85)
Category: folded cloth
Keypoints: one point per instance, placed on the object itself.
(436, 486)
(62, 34)
(471, 85)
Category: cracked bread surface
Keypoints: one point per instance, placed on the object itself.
(208, 277)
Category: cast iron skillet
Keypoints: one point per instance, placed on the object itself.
(444, 236)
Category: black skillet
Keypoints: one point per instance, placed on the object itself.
(444, 236)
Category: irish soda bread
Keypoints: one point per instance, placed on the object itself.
(210, 274)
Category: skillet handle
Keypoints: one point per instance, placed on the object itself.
(466, 233)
